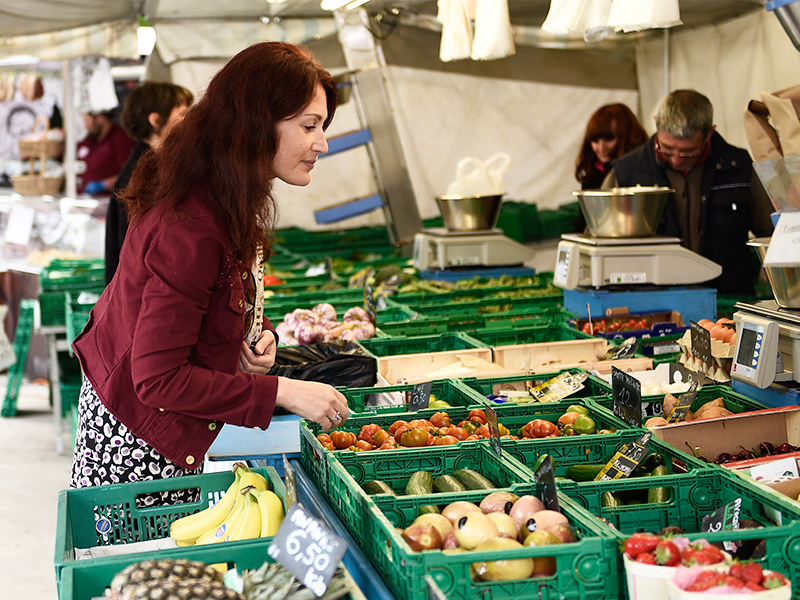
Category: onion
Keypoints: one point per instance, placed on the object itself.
(284, 331)
(326, 312)
(355, 314)
(309, 334)
(364, 331)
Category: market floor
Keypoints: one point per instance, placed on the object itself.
(32, 473)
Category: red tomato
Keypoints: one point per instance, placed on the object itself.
(380, 437)
(539, 428)
(389, 444)
(457, 432)
(431, 440)
(483, 431)
(324, 438)
(398, 433)
(393, 427)
(440, 419)
(419, 423)
(367, 431)
(568, 418)
(445, 440)
(414, 438)
(343, 439)
(477, 414)
(364, 445)
(270, 279)
(472, 437)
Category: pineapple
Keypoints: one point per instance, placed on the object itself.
(180, 589)
(157, 571)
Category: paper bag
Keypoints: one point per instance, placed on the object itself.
(773, 124)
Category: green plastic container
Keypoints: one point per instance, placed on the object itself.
(422, 344)
(62, 276)
(548, 332)
(492, 386)
(491, 306)
(520, 221)
(84, 512)
(77, 313)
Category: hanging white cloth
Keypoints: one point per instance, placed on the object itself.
(564, 17)
(493, 35)
(637, 15)
(456, 41)
(102, 95)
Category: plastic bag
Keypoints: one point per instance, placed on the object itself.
(456, 41)
(337, 363)
(475, 177)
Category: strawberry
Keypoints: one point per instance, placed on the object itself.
(773, 580)
(705, 581)
(752, 571)
(714, 553)
(732, 581)
(667, 553)
(736, 569)
(640, 542)
(646, 557)
(754, 586)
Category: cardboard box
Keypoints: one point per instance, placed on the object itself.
(728, 434)
(661, 323)
(417, 368)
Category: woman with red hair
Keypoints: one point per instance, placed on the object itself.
(177, 345)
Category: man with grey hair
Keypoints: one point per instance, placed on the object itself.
(718, 198)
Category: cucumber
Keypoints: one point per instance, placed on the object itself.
(421, 484)
(447, 483)
(608, 499)
(584, 472)
(376, 486)
(472, 480)
(658, 495)
(653, 460)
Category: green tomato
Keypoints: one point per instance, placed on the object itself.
(439, 404)
(578, 409)
(585, 425)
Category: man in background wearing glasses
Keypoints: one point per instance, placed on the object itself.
(718, 198)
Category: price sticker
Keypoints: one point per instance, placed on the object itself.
(726, 517)
(545, 476)
(494, 430)
(559, 387)
(420, 396)
(308, 549)
(681, 409)
(626, 349)
(625, 460)
(627, 393)
(701, 342)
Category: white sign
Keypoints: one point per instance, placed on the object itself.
(20, 225)
(784, 246)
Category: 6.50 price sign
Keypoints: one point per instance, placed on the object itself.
(308, 549)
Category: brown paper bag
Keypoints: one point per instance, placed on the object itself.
(772, 125)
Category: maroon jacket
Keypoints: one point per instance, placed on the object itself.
(162, 345)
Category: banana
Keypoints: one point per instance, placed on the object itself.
(271, 509)
(186, 530)
(251, 478)
(248, 524)
(219, 534)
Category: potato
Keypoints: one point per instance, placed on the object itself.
(715, 412)
(670, 402)
(700, 413)
(655, 422)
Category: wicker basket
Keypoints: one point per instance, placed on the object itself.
(36, 185)
(35, 148)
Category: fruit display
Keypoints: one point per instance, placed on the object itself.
(320, 324)
(422, 483)
(671, 551)
(713, 409)
(247, 510)
(742, 453)
(739, 578)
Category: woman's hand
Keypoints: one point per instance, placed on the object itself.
(263, 358)
(318, 402)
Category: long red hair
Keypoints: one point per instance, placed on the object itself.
(609, 122)
(224, 148)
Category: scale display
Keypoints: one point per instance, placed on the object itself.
(756, 354)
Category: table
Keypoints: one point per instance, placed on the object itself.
(54, 346)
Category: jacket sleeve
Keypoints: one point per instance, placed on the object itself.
(175, 301)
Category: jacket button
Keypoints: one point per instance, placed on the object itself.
(160, 410)
(190, 460)
(733, 163)
(719, 166)
(244, 275)
(241, 303)
(212, 426)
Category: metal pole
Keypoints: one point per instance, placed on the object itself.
(71, 186)
(666, 61)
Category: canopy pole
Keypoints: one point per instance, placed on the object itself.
(666, 61)
(71, 185)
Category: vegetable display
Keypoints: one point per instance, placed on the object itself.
(320, 324)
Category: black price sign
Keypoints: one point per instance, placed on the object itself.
(625, 460)
(701, 342)
(420, 396)
(546, 476)
(308, 549)
(291, 482)
(684, 404)
(726, 517)
(627, 393)
(494, 430)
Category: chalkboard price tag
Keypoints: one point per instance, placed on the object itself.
(701, 342)
(625, 460)
(546, 476)
(685, 400)
(627, 393)
(726, 517)
(420, 396)
(369, 302)
(308, 549)
(494, 430)
(290, 479)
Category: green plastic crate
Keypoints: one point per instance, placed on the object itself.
(520, 221)
(84, 511)
(287, 300)
(479, 287)
(587, 569)
(304, 241)
(77, 313)
(549, 332)
(52, 304)
(492, 306)
(423, 344)
(492, 386)
(62, 276)
(348, 471)
(390, 314)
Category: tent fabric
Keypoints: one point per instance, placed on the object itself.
(30, 17)
(115, 39)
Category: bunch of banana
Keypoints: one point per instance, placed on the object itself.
(237, 515)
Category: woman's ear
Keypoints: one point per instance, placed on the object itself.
(155, 122)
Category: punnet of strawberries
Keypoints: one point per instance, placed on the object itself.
(741, 577)
(671, 551)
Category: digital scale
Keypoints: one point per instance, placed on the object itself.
(767, 344)
(584, 261)
(439, 248)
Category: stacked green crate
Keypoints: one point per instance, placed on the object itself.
(62, 276)
(520, 221)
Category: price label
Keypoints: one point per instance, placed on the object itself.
(626, 349)
(420, 396)
(291, 482)
(627, 393)
(308, 549)
(701, 342)
(494, 430)
(726, 517)
(369, 301)
(625, 460)
(545, 475)
(685, 400)
(359, 278)
(679, 373)
(559, 387)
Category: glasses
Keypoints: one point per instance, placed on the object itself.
(670, 154)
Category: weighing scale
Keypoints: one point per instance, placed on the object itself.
(584, 261)
(767, 344)
(439, 248)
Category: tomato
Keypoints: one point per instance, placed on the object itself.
(587, 328)
(394, 426)
(380, 437)
(584, 424)
(364, 445)
(324, 438)
(568, 418)
(398, 433)
(440, 419)
(431, 440)
(457, 432)
(642, 324)
(414, 438)
(389, 444)
(270, 279)
(477, 414)
(472, 437)
(483, 431)
(539, 428)
(419, 424)
(445, 440)
(355, 448)
(502, 429)
(343, 439)
(578, 408)
(367, 431)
